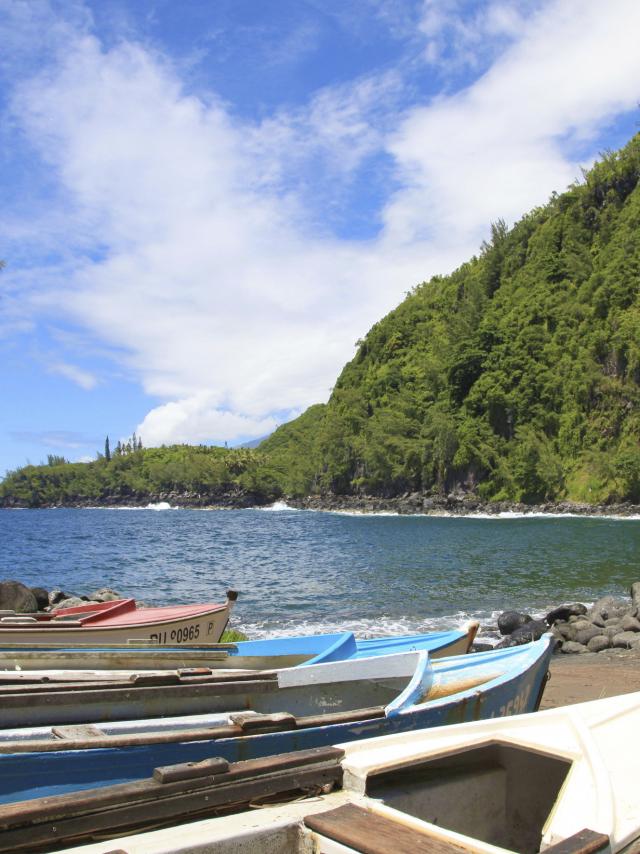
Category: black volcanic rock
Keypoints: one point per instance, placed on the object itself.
(15, 596)
(509, 621)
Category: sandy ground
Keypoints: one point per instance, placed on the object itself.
(590, 676)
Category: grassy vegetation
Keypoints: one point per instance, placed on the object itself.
(233, 636)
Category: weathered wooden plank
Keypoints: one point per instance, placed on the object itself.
(306, 721)
(190, 770)
(584, 842)
(87, 800)
(200, 734)
(124, 740)
(82, 682)
(251, 723)
(78, 731)
(141, 680)
(168, 810)
(99, 696)
(369, 833)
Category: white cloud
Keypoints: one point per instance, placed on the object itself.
(198, 419)
(209, 270)
(500, 146)
(77, 375)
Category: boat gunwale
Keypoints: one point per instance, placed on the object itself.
(84, 629)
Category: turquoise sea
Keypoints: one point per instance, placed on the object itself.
(305, 571)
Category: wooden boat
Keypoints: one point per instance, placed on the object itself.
(295, 709)
(267, 654)
(118, 622)
(556, 781)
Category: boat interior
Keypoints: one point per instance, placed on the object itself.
(499, 793)
(496, 796)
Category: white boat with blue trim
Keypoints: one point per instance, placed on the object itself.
(268, 654)
(563, 781)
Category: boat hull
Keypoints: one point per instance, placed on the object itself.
(404, 780)
(514, 689)
(204, 627)
(270, 654)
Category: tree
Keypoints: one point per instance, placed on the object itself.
(107, 450)
(56, 460)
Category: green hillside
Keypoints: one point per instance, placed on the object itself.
(199, 474)
(515, 378)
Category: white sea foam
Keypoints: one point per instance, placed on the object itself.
(161, 505)
(513, 514)
(374, 627)
(505, 515)
(385, 626)
(277, 507)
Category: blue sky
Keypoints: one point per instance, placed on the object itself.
(207, 203)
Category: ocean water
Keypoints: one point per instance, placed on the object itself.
(305, 571)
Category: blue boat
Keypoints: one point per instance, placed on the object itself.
(291, 710)
(272, 653)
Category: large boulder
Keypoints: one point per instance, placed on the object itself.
(635, 595)
(625, 640)
(571, 647)
(608, 608)
(585, 634)
(598, 643)
(531, 631)
(105, 594)
(15, 596)
(42, 597)
(70, 602)
(630, 624)
(565, 630)
(56, 596)
(563, 613)
(509, 621)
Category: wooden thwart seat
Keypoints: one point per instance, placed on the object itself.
(369, 833)
(584, 842)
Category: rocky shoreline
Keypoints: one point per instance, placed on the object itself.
(453, 505)
(407, 504)
(16, 596)
(609, 624)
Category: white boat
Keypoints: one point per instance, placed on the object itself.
(336, 701)
(563, 780)
(269, 654)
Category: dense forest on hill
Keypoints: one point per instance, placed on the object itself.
(515, 378)
(203, 475)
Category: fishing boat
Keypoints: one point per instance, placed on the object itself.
(556, 781)
(292, 710)
(270, 654)
(118, 622)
